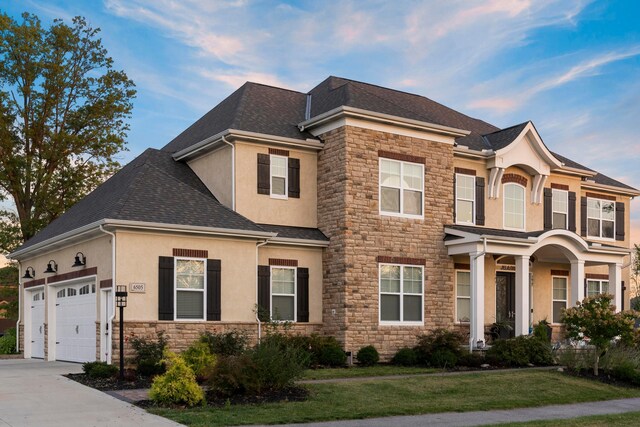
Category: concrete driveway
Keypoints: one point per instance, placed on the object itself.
(34, 393)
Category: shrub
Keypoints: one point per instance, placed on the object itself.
(542, 330)
(177, 386)
(99, 369)
(200, 359)
(405, 357)
(471, 360)
(323, 350)
(520, 351)
(149, 355)
(626, 371)
(225, 344)
(331, 356)
(269, 366)
(8, 342)
(595, 318)
(439, 348)
(368, 356)
(576, 359)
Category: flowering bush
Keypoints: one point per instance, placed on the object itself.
(595, 321)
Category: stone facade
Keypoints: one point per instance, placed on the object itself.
(348, 212)
(181, 335)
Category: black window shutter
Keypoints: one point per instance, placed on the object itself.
(264, 172)
(294, 178)
(455, 201)
(303, 295)
(264, 293)
(214, 297)
(572, 211)
(619, 220)
(547, 204)
(165, 288)
(622, 289)
(583, 216)
(479, 200)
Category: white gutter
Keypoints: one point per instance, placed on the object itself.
(299, 242)
(113, 293)
(158, 226)
(233, 172)
(475, 257)
(20, 302)
(257, 290)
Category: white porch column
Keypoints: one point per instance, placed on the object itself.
(522, 295)
(476, 332)
(577, 282)
(615, 284)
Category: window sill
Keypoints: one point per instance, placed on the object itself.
(465, 223)
(401, 215)
(387, 323)
(278, 197)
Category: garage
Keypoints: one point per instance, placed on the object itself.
(76, 322)
(37, 323)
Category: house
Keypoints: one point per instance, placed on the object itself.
(352, 210)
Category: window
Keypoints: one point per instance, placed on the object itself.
(601, 215)
(401, 293)
(84, 290)
(283, 293)
(514, 206)
(71, 292)
(465, 198)
(61, 293)
(279, 176)
(401, 188)
(560, 208)
(597, 287)
(190, 288)
(463, 296)
(36, 297)
(559, 298)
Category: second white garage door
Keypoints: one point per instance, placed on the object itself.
(76, 323)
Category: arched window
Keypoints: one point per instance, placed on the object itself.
(514, 215)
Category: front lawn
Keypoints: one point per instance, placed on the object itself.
(410, 396)
(368, 371)
(627, 419)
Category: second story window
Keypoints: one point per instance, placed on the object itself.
(465, 198)
(401, 188)
(601, 216)
(278, 176)
(560, 208)
(514, 214)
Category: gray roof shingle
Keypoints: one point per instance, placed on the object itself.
(482, 231)
(295, 232)
(503, 137)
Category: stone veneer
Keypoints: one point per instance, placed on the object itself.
(181, 335)
(348, 214)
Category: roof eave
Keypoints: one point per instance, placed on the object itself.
(632, 192)
(346, 111)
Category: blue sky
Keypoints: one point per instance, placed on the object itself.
(572, 67)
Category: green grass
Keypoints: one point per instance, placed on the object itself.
(409, 396)
(369, 371)
(627, 419)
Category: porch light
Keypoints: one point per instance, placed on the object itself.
(52, 267)
(80, 261)
(29, 273)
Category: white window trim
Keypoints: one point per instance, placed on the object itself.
(286, 177)
(566, 300)
(566, 214)
(599, 285)
(175, 291)
(295, 293)
(399, 214)
(473, 201)
(402, 294)
(465, 297)
(606, 239)
(524, 207)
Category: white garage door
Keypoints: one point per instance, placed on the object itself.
(37, 324)
(76, 323)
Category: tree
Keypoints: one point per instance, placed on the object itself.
(635, 272)
(63, 112)
(9, 291)
(595, 320)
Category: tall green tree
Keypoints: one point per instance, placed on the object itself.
(63, 120)
(9, 291)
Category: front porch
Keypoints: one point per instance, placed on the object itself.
(517, 279)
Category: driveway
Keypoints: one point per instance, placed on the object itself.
(34, 393)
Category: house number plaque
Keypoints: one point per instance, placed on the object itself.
(137, 287)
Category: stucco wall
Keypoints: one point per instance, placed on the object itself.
(215, 171)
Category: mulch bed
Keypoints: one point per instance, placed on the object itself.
(104, 384)
(603, 377)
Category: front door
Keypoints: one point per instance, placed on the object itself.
(506, 301)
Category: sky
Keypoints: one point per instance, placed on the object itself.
(570, 66)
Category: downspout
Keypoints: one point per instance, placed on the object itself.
(475, 257)
(113, 292)
(257, 284)
(233, 172)
(20, 302)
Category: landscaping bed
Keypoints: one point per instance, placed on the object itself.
(113, 383)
